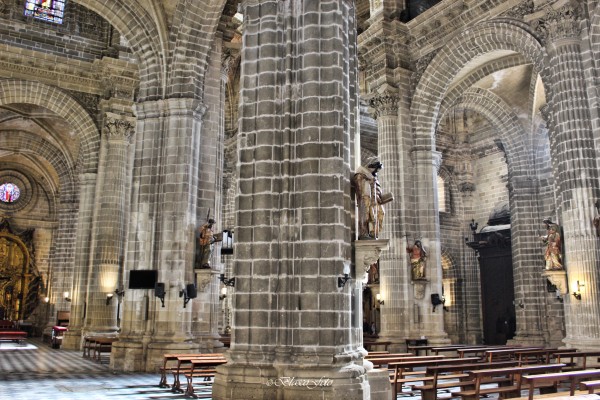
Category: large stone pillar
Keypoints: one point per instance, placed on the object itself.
(394, 272)
(87, 194)
(575, 171)
(427, 229)
(108, 233)
(293, 231)
(162, 231)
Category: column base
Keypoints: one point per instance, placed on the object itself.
(141, 354)
(584, 344)
(266, 382)
(72, 339)
(527, 339)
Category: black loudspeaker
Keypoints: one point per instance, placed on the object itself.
(436, 300)
(190, 288)
(159, 289)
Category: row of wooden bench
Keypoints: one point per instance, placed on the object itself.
(95, 346)
(504, 370)
(492, 370)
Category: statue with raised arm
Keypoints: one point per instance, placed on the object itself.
(206, 240)
(418, 256)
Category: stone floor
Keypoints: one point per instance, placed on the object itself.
(32, 370)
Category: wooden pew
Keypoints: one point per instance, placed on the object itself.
(454, 376)
(573, 377)
(477, 351)
(590, 386)
(573, 365)
(102, 345)
(404, 371)
(505, 354)
(180, 360)
(509, 380)
(201, 367)
(540, 356)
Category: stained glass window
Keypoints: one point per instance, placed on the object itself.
(9, 192)
(47, 10)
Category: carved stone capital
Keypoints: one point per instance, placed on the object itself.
(561, 23)
(384, 104)
(117, 78)
(119, 126)
(367, 252)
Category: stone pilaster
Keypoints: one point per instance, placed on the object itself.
(575, 169)
(293, 231)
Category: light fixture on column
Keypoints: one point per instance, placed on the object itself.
(227, 282)
(66, 296)
(159, 291)
(223, 293)
(473, 225)
(577, 291)
(188, 293)
(342, 280)
(109, 297)
(436, 300)
(378, 298)
(120, 292)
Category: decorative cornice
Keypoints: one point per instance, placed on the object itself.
(520, 10)
(562, 23)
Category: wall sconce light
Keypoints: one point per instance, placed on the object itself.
(159, 291)
(120, 292)
(577, 292)
(473, 225)
(46, 299)
(342, 280)
(188, 293)
(436, 300)
(378, 298)
(227, 282)
(109, 297)
(223, 293)
(66, 296)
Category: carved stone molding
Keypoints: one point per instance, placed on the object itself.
(562, 23)
(229, 59)
(203, 278)
(119, 127)
(367, 252)
(420, 67)
(384, 104)
(519, 11)
(558, 279)
(117, 79)
(419, 288)
(4, 7)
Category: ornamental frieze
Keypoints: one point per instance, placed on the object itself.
(558, 24)
(519, 11)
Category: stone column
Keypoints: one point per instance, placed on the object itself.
(108, 232)
(575, 171)
(162, 231)
(293, 235)
(394, 273)
(427, 224)
(87, 194)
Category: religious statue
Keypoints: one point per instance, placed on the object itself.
(418, 255)
(553, 243)
(370, 199)
(206, 240)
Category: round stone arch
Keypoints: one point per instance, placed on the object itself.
(197, 22)
(57, 101)
(482, 39)
(20, 142)
(141, 31)
(500, 115)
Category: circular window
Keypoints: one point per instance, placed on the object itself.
(9, 192)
